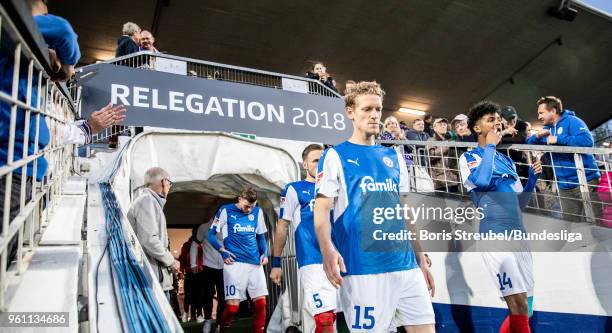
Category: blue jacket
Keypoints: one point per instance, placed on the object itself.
(570, 131)
(58, 35)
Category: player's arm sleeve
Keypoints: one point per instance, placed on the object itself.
(404, 179)
(328, 173)
(526, 193)
(578, 136)
(533, 140)
(289, 203)
(261, 230)
(78, 132)
(465, 171)
(218, 223)
(262, 244)
(481, 175)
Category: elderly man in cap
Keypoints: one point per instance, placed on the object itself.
(147, 219)
(460, 126)
(443, 160)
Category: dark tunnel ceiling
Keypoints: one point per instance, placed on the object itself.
(437, 56)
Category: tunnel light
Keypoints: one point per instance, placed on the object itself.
(412, 111)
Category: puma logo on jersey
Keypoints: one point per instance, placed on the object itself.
(305, 192)
(233, 216)
(239, 228)
(355, 161)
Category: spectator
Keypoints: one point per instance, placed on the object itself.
(428, 125)
(403, 126)
(129, 41)
(417, 133)
(347, 85)
(392, 131)
(463, 133)
(563, 128)
(319, 72)
(146, 42)
(64, 54)
(443, 160)
(213, 277)
(146, 216)
(196, 261)
(515, 132)
(185, 269)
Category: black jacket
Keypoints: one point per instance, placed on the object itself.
(125, 46)
(329, 82)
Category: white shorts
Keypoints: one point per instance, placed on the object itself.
(239, 277)
(371, 303)
(319, 294)
(512, 272)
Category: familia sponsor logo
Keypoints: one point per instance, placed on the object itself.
(248, 228)
(369, 185)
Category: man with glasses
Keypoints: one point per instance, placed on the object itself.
(244, 251)
(146, 216)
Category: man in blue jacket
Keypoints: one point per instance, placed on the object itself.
(563, 128)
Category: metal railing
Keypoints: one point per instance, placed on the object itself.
(26, 201)
(434, 167)
(147, 60)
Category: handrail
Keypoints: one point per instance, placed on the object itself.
(25, 205)
(522, 147)
(121, 59)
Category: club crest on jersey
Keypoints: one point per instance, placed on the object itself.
(560, 130)
(369, 185)
(239, 228)
(388, 162)
(251, 217)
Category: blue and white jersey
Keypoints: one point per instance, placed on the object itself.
(297, 206)
(361, 179)
(239, 231)
(494, 185)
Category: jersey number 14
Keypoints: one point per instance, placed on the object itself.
(504, 281)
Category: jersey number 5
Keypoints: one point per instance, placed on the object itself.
(367, 317)
(317, 300)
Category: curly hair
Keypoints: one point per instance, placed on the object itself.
(480, 110)
(362, 88)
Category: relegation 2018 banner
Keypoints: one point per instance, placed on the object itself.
(183, 102)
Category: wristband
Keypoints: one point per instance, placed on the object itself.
(276, 262)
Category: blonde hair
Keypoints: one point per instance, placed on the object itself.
(390, 119)
(362, 88)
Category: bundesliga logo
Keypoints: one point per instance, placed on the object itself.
(239, 228)
(369, 185)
